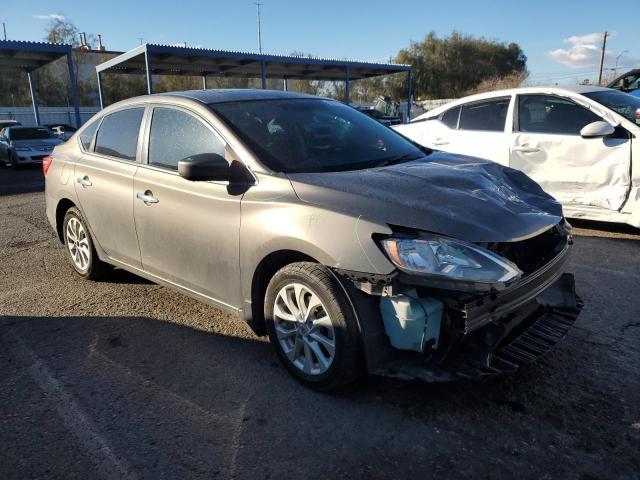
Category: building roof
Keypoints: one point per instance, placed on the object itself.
(172, 60)
(29, 56)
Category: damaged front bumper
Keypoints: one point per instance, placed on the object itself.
(481, 335)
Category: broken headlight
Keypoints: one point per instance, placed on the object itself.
(446, 258)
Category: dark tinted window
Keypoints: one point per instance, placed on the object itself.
(314, 135)
(176, 135)
(450, 117)
(26, 133)
(549, 114)
(118, 134)
(87, 135)
(489, 115)
(626, 105)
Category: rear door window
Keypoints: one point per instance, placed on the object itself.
(118, 134)
(552, 115)
(176, 135)
(488, 116)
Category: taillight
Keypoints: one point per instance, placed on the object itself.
(46, 163)
(637, 114)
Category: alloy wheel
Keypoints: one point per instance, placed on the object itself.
(304, 329)
(78, 244)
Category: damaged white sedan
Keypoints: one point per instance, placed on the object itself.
(578, 143)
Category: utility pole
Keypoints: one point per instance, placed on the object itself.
(4, 30)
(257, 4)
(604, 47)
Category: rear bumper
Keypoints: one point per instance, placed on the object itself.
(518, 338)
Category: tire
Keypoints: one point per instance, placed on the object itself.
(12, 160)
(305, 347)
(79, 246)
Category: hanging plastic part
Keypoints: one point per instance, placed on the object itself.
(410, 322)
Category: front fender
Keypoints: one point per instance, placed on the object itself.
(275, 219)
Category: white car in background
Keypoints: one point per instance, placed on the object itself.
(580, 144)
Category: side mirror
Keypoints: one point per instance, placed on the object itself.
(205, 166)
(597, 130)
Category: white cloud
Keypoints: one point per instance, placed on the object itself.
(50, 16)
(583, 52)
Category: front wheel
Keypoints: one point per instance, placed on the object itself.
(312, 326)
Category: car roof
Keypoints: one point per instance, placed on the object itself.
(209, 97)
(235, 95)
(575, 89)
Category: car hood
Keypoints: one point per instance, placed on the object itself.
(42, 142)
(454, 195)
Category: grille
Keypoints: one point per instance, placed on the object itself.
(532, 254)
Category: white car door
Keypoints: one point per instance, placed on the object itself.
(477, 128)
(481, 131)
(579, 172)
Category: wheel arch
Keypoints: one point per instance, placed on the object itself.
(263, 273)
(61, 209)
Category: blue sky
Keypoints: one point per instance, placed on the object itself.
(560, 38)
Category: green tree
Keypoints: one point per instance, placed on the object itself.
(449, 67)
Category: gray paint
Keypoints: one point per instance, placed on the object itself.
(329, 217)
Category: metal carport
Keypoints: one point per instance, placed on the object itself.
(30, 56)
(150, 59)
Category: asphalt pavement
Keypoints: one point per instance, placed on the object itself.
(127, 379)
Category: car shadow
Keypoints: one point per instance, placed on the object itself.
(612, 227)
(174, 401)
(23, 179)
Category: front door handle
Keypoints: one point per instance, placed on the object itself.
(147, 197)
(84, 181)
(525, 149)
(441, 141)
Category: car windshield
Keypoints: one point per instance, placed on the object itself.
(314, 135)
(626, 105)
(29, 133)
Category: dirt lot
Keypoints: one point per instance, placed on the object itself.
(126, 379)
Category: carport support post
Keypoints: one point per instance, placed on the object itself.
(147, 64)
(100, 94)
(285, 86)
(346, 83)
(74, 89)
(204, 81)
(34, 97)
(408, 96)
(263, 70)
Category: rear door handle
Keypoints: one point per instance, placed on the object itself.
(441, 141)
(84, 181)
(525, 149)
(147, 197)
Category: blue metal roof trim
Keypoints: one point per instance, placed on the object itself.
(150, 48)
(28, 46)
(157, 48)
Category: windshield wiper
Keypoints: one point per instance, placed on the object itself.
(407, 157)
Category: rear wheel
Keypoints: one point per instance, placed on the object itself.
(312, 326)
(82, 253)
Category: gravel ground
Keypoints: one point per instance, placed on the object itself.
(126, 379)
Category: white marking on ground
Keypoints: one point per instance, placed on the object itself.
(77, 422)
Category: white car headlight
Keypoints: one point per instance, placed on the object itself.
(446, 258)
